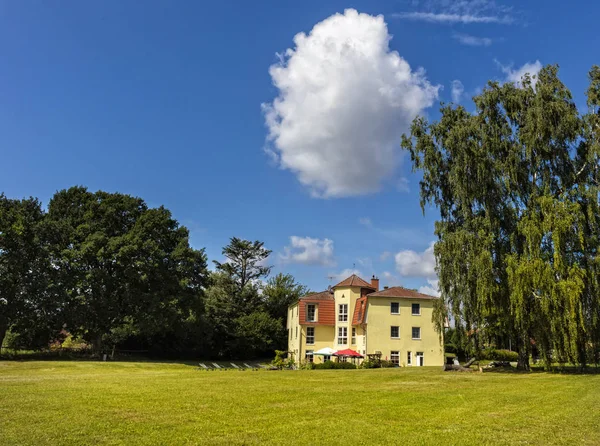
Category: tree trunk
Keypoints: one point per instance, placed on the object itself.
(98, 344)
(3, 329)
(523, 360)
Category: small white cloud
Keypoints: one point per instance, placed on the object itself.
(344, 274)
(390, 279)
(452, 18)
(344, 101)
(431, 289)
(385, 255)
(308, 251)
(365, 262)
(457, 91)
(469, 40)
(403, 185)
(365, 221)
(416, 264)
(516, 75)
(459, 12)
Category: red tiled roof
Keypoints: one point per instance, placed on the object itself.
(356, 281)
(325, 309)
(323, 295)
(359, 311)
(400, 292)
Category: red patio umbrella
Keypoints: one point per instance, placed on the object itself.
(348, 352)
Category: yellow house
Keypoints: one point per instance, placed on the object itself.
(354, 314)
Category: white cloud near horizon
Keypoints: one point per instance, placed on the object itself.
(432, 288)
(469, 40)
(344, 100)
(410, 263)
(457, 90)
(308, 251)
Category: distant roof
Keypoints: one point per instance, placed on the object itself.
(399, 292)
(323, 295)
(356, 281)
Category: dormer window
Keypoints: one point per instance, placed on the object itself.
(311, 311)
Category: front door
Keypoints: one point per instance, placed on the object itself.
(420, 361)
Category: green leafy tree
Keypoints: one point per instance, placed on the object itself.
(23, 265)
(120, 263)
(516, 186)
(279, 293)
(245, 261)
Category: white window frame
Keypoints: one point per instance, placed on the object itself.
(353, 341)
(412, 309)
(412, 332)
(342, 336)
(392, 327)
(392, 311)
(309, 356)
(395, 354)
(314, 315)
(308, 340)
(409, 358)
(343, 315)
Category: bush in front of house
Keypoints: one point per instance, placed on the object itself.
(498, 355)
(334, 365)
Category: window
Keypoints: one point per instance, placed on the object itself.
(416, 332)
(342, 335)
(395, 332)
(311, 310)
(395, 307)
(326, 358)
(310, 335)
(395, 357)
(354, 336)
(408, 358)
(416, 309)
(309, 356)
(343, 313)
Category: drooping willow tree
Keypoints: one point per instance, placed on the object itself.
(517, 186)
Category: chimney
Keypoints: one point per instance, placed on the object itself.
(375, 282)
(385, 287)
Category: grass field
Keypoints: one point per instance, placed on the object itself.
(60, 402)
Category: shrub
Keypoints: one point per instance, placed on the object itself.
(282, 363)
(498, 355)
(388, 364)
(334, 365)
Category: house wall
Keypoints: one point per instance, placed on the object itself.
(324, 336)
(379, 323)
(293, 327)
(344, 295)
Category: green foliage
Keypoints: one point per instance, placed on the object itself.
(245, 261)
(498, 355)
(279, 293)
(334, 365)
(517, 184)
(283, 360)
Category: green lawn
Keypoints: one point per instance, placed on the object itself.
(60, 402)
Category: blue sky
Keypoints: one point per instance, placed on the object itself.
(175, 102)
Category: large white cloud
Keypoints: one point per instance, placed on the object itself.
(344, 100)
(416, 264)
(309, 251)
